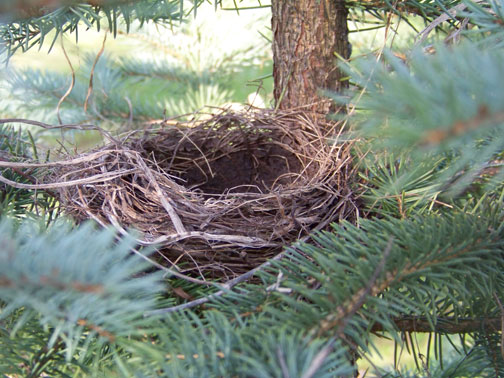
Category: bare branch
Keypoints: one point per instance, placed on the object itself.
(68, 126)
(444, 325)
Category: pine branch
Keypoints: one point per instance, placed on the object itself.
(212, 345)
(489, 17)
(64, 17)
(394, 277)
(18, 10)
(79, 282)
(426, 9)
(436, 272)
(31, 20)
(423, 105)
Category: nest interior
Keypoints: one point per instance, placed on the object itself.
(220, 197)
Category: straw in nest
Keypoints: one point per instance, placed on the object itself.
(217, 198)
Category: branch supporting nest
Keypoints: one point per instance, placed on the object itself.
(219, 197)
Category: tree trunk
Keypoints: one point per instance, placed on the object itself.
(306, 34)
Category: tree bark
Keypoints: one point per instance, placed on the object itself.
(306, 36)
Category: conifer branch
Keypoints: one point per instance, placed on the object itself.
(69, 90)
(82, 280)
(36, 8)
(28, 26)
(394, 277)
(322, 355)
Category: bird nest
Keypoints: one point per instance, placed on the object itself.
(219, 197)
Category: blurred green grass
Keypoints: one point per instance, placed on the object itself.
(218, 58)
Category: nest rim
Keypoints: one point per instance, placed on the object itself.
(138, 184)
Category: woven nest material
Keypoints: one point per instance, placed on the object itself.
(220, 197)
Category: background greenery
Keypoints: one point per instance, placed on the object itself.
(154, 71)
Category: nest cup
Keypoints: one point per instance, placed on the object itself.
(220, 197)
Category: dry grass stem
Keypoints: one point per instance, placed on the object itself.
(218, 197)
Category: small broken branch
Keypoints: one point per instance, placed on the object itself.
(444, 325)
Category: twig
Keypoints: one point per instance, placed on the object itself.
(235, 239)
(90, 88)
(451, 13)
(443, 325)
(130, 107)
(47, 126)
(175, 273)
(67, 126)
(55, 185)
(283, 365)
(60, 163)
(69, 90)
(177, 223)
(319, 359)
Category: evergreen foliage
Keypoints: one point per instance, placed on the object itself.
(434, 106)
(78, 301)
(68, 292)
(23, 33)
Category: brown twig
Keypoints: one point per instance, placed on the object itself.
(483, 118)
(67, 126)
(91, 76)
(69, 90)
(174, 272)
(104, 177)
(450, 14)
(443, 325)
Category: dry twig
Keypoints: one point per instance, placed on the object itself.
(218, 197)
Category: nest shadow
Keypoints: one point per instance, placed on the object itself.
(217, 198)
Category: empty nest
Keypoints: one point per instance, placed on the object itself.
(216, 198)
